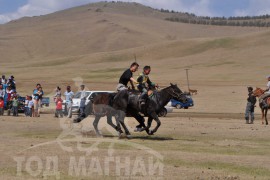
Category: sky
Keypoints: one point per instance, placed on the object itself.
(14, 9)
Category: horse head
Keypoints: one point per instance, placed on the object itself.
(258, 92)
(176, 93)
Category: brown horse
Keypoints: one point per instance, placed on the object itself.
(258, 92)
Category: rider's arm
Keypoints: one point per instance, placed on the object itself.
(133, 80)
(150, 83)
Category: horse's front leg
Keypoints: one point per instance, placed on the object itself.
(95, 124)
(141, 127)
(120, 119)
(155, 117)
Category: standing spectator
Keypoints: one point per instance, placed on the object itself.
(37, 94)
(59, 110)
(57, 92)
(68, 97)
(3, 79)
(2, 106)
(30, 107)
(12, 83)
(15, 104)
(2, 91)
(8, 98)
(83, 100)
(26, 102)
(251, 101)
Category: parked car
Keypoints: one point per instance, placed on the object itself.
(76, 101)
(45, 101)
(180, 105)
(21, 101)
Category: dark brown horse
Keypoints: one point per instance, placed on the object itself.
(258, 92)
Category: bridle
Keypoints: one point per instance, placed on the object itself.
(174, 94)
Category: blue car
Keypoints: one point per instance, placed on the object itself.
(180, 105)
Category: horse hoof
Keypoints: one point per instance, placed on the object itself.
(151, 132)
(138, 130)
(129, 136)
(119, 134)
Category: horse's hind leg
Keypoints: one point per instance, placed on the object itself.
(265, 116)
(117, 128)
(95, 124)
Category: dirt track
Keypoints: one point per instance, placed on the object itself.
(201, 146)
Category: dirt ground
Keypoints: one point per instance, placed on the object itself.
(187, 146)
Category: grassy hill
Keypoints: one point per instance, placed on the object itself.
(96, 42)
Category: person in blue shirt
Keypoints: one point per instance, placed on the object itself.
(37, 93)
(68, 95)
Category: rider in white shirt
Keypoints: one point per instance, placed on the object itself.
(266, 94)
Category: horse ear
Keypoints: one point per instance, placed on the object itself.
(171, 84)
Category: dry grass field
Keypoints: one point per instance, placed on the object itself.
(95, 43)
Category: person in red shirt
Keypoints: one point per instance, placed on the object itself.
(2, 106)
(58, 111)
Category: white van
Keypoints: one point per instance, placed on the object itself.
(76, 101)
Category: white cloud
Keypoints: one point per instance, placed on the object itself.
(255, 7)
(41, 7)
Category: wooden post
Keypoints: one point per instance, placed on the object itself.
(187, 78)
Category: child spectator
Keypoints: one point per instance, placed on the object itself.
(58, 110)
(2, 106)
(26, 105)
(30, 107)
(15, 104)
(251, 101)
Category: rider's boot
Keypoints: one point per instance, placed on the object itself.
(264, 104)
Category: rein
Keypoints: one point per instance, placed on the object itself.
(173, 93)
